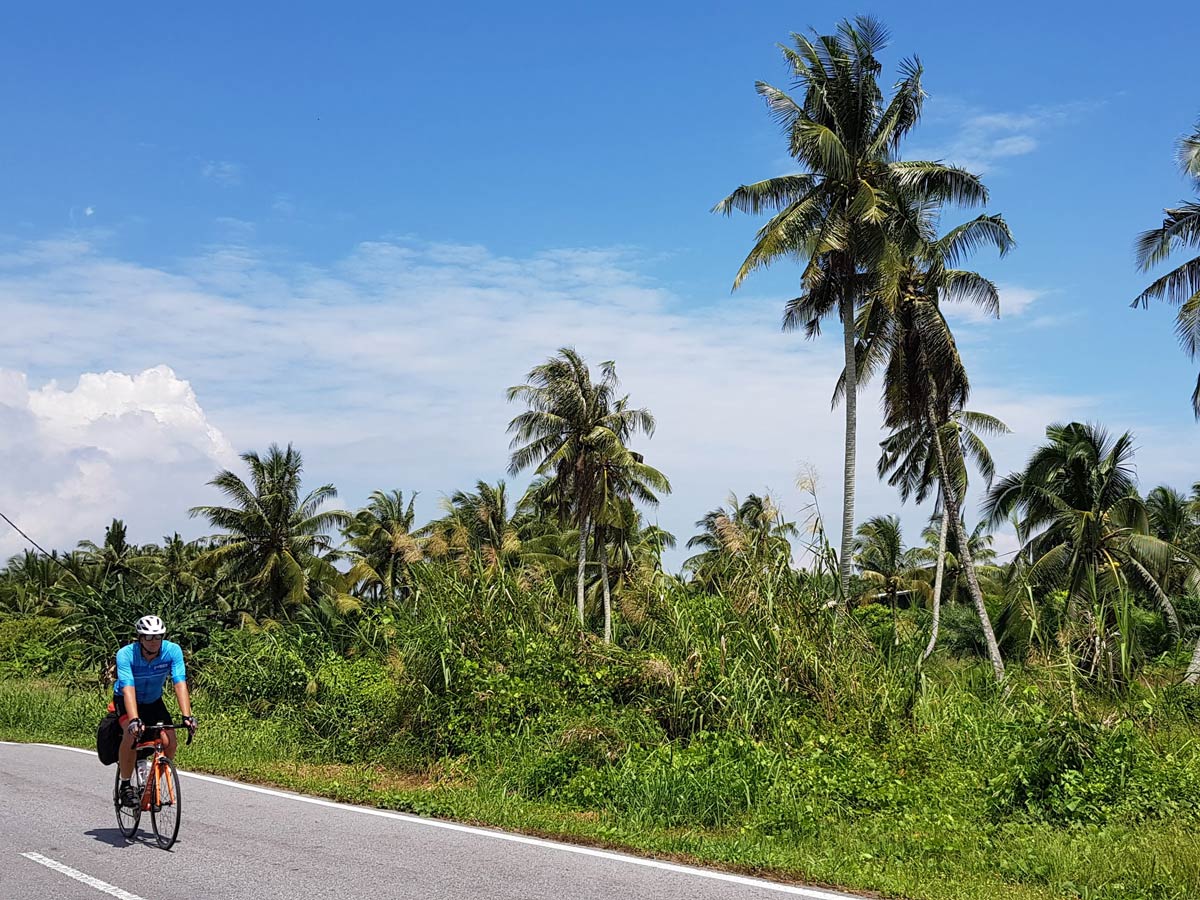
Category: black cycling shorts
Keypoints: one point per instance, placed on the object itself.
(151, 713)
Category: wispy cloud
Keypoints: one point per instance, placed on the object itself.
(982, 140)
(388, 368)
(1015, 303)
(222, 171)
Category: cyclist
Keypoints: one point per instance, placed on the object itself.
(142, 668)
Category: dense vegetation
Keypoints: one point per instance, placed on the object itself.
(925, 719)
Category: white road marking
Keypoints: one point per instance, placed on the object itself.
(712, 874)
(81, 876)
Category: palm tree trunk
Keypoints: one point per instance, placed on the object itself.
(851, 401)
(584, 527)
(950, 501)
(602, 541)
(937, 584)
(1193, 669)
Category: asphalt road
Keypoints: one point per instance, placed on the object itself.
(59, 838)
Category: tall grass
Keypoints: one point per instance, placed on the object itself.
(764, 733)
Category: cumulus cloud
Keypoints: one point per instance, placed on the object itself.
(388, 370)
(131, 446)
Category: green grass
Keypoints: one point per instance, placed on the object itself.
(916, 814)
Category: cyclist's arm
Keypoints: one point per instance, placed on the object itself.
(129, 692)
(179, 676)
(184, 698)
(125, 682)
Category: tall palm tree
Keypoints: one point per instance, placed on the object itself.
(851, 197)
(383, 543)
(1180, 230)
(276, 543)
(572, 426)
(910, 460)
(1088, 528)
(886, 566)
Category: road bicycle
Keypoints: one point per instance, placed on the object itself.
(156, 782)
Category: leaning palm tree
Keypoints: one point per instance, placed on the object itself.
(573, 424)
(910, 462)
(1089, 531)
(275, 542)
(839, 213)
(905, 332)
(1180, 230)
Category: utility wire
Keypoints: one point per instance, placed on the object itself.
(51, 556)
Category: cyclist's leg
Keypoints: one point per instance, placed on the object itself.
(126, 757)
(157, 711)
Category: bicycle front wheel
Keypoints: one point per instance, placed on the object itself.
(165, 802)
(127, 817)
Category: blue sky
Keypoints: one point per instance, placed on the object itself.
(354, 228)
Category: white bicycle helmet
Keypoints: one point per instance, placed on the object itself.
(150, 626)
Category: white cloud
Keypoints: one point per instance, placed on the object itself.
(388, 369)
(113, 445)
(222, 171)
(1015, 302)
(981, 140)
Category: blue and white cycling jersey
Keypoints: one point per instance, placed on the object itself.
(147, 678)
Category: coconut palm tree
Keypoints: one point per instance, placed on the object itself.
(743, 546)
(636, 549)
(1175, 518)
(909, 460)
(622, 477)
(888, 569)
(1088, 528)
(1179, 231)
(477, 529)
(275, 542)
(574, 426)
(172, 566)
(851, 197)
(905, 332)
(115, 557)
(382, 542)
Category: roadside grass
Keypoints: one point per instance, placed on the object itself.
(941, 849)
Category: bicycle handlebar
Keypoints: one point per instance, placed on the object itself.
(162, 726)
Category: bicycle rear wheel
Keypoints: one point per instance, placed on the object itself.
(127, 818)
(165, 803)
